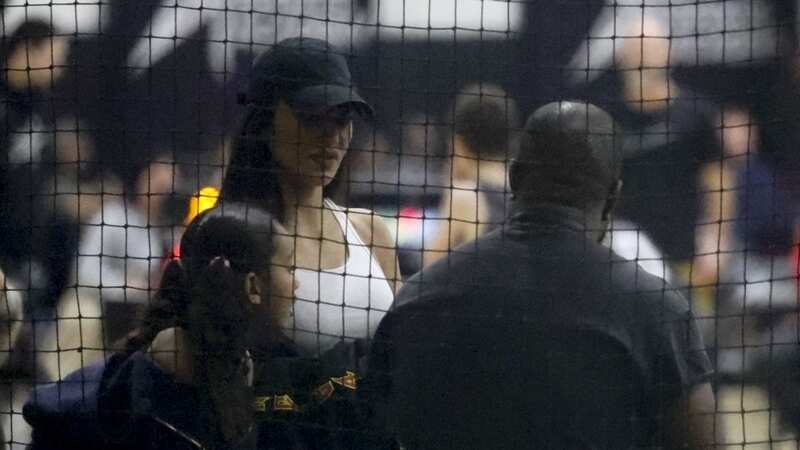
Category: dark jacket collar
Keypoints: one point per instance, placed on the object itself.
(545, 216)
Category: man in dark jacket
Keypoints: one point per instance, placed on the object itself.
(535, 335)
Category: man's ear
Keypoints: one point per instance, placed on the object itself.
(608, 208)
(350, 128)
(251, 287)
(514, 172)
(611, 200)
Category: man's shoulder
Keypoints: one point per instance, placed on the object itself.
(629, 277)
(622, 284)
(645, 303)
(425, 286)
(458, 273)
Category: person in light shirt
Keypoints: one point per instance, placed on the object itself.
(477, 199)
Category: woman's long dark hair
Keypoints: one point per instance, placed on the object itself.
(252, 175)
(204, 294)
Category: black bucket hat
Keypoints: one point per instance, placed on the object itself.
(310, 74)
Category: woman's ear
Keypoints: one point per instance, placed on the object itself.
(252, 288)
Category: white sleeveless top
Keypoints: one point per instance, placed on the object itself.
(345, 302)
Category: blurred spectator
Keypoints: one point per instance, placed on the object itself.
(484, 118)
(11, 313)
(743, 205)
(34, 59)
(10, 316)
(755, 290)
(36, 236)
(42, 170)
(75, 188)
(120, 253)
(665, 136)
(743, 242)
(121, 246)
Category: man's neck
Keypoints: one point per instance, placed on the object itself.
(588, 221)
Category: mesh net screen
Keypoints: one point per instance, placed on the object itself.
(390, 149)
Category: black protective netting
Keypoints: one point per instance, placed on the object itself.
(123, 119)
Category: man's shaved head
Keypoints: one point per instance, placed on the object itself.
(569, 153)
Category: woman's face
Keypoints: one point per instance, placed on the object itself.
(309, 148)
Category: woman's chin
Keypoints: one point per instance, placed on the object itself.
(319, 178)
(310, 179)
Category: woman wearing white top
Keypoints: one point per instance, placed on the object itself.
(299, 124)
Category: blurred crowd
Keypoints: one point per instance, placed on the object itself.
(710, 204)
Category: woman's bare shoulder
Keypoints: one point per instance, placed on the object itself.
(371, 227)
(375, 233)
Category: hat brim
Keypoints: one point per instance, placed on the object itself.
(322, 97)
